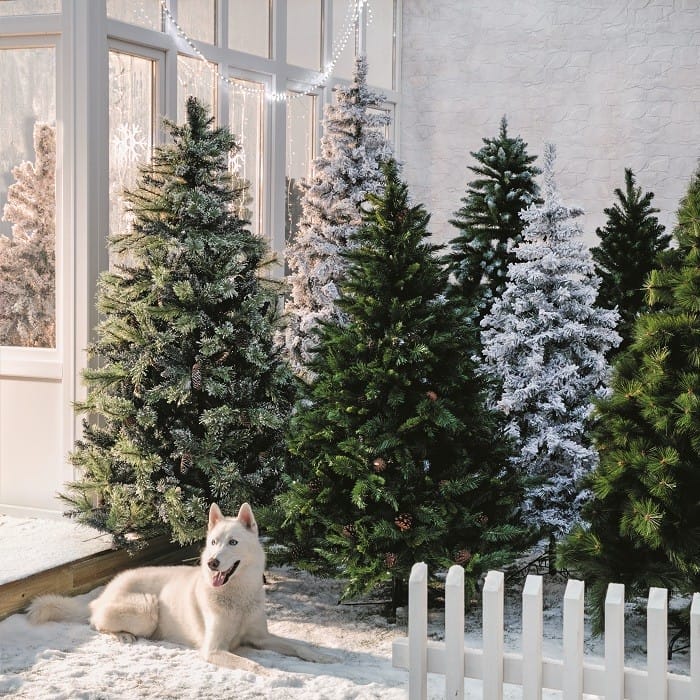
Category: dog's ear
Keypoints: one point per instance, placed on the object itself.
(215, 515)
(245, 515)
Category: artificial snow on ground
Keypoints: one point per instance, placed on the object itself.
(30, 545)
(62, 661)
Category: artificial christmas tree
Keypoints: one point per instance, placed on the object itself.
(544, 341)
(400, 459)
(643, 522)
(630, 244)
(191, 396)
(28, 258)
(352, 150)
(489, 221)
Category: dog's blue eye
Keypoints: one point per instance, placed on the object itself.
(233, 542)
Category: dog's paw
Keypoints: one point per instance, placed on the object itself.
(317, 657)
(125, 637)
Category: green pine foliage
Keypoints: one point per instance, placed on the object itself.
(489, 220)
(401, 460)
(630, 244)
(643, 520)
(187, 401)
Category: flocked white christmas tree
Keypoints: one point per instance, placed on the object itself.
(544, 341)
(27, 258)
(353, 148)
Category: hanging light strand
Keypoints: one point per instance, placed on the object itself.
(352, 14)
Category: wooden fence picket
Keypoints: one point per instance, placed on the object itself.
(572, 685)
(615, 642)
(695, 647)
(454, 633)
(493, 635)
(532, 638)
(657, 643)
(530, 670)
(418, 632)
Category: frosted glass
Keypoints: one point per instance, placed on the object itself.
(29, 7)
(247, 105)
(198, 19)
(342, 16)
(27, 197)
(131, 92)
(195, 77)
(249, 26)
(301, 112)
(380, 44)
(144, 13)
(304, 33)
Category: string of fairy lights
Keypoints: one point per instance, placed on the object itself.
(352, 15)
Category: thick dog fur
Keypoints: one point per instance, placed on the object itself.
(216, 607)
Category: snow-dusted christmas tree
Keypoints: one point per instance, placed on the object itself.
(353, 148)
(544, 341)
(28, 258)
(190, 400)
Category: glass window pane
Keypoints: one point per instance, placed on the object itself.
(28, 197)
(304, 33)
(344, 30)
(380, 44)
(29, 7)
(145, 13)
(301, 111)
(195, 77)
(249, 26)
(247, 104)
(131, 92)
(198, 19)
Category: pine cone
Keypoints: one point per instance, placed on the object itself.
(186, 463)
(390, 560)
(196, 376)
(431, 395)
(404, 521)
(462, 557)
(379, 465)
(315, 485)
(349, 531)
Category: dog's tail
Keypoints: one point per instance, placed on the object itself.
(57, 608)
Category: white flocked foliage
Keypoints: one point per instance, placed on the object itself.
(349, 168)
(544, 341)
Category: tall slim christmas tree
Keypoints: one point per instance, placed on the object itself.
(630, 244)
(489, 221)
(28, 258)
(643, 522)
(545, 341)
(401, 459)
(348, 169)
(192, 399)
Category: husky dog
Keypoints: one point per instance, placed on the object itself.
(215, 607)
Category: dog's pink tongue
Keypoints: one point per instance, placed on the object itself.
(218, 579)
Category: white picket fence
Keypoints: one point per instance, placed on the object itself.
(573, 675)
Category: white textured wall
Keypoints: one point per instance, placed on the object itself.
(613, 83)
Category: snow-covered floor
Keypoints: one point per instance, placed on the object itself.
(30, 545)
(71, 661)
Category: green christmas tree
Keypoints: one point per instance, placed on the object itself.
(402, 461)
(643, 520)
(630, 243)
(489, 221)
(188, 401)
